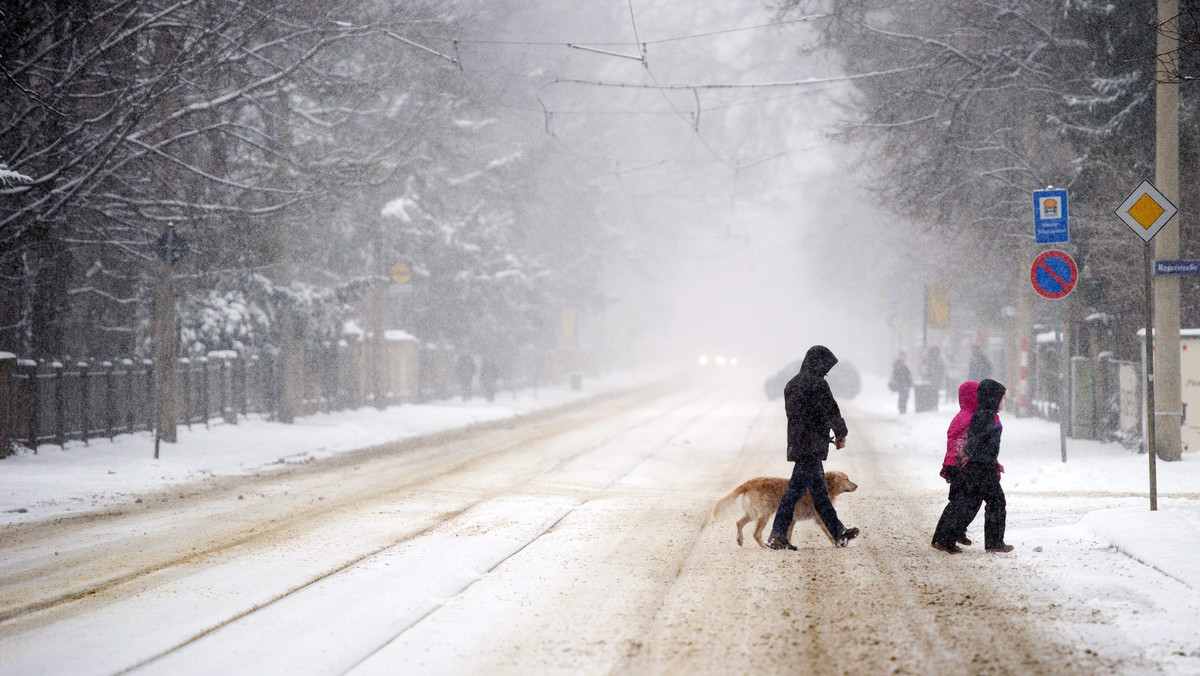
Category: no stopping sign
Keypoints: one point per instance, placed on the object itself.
(1053, 274)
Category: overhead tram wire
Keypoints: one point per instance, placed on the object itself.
(625, 43)
(640, 45)
(456, 61)
(695, 122)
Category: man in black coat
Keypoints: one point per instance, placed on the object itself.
(813, 415)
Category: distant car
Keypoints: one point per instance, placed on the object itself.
(844, 380)
(775, 384)
(716, 360)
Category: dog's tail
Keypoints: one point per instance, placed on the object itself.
(727, 507)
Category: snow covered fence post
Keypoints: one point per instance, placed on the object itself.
(33, 401)
(60, 395)
(185, 389)
(203, 389)
(110, 399)
(8, 362)
(85, 400)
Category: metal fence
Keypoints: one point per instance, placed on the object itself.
(1097, 406)
(57, 401)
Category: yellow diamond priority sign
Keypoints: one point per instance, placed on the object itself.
(1146, 211)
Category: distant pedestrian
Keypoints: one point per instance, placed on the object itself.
(901, 382)
(978, 480)
(489, 373)
(464, 372)
(980, 367)
(813, 416)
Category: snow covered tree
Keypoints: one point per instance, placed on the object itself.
(252, 126)
(973, 106)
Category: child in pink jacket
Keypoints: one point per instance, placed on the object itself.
(956, 441)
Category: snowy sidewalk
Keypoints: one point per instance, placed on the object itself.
(1167, 540)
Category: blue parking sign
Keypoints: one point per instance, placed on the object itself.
(1050, 216)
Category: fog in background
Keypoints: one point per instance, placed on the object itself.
(749, 231)
(674, 179)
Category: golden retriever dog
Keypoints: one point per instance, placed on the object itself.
(759, 498)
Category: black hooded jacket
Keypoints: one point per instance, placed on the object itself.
(811, 409)
(983, 432)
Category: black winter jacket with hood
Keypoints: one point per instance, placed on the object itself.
(983, 433)
(811, 409)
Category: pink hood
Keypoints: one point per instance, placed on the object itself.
(956, 434)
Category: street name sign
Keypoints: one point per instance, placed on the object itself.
(1146, 211)
(1053, 274)
(1177, 267)
(170, 246)
(1050, 218)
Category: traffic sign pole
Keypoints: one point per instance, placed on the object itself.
(1054, 275)
(1147, 211)
(1149, 384)
(1064, 358)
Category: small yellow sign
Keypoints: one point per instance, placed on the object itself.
(939, 306)
(567, 324)
(1145, 211)
(401, 273)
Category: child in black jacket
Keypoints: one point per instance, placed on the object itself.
(978, 481)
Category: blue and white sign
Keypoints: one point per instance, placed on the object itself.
(1050, 216)
(1177, 267)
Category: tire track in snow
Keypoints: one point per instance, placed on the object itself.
(122, 585)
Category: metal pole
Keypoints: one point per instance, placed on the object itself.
(1149, 384)
(1063, 365)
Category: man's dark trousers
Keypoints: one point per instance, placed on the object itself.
(807, 475)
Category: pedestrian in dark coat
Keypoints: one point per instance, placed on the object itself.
(978, 480)
(901, 382)
(813, 416)
(980, 367)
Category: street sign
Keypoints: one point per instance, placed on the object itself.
(938, 302)
(1177, 267)
(1050, 218)
(170, 247)
(1146, 211)
(1053, 274)
(401, 273)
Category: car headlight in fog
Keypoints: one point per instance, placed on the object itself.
(719, 361)
(733, 361)
(703, 360)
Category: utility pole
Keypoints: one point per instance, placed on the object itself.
(170, 247)
(379, 363)
(291, 353)
(1164, 344)
(166, 356)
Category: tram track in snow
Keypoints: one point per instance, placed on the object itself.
(445, 522)
(115, 586)
(331, 507)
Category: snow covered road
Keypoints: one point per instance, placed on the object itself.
(573, 541)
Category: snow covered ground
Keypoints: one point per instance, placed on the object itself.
(1061, 513)
(1085, 525)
